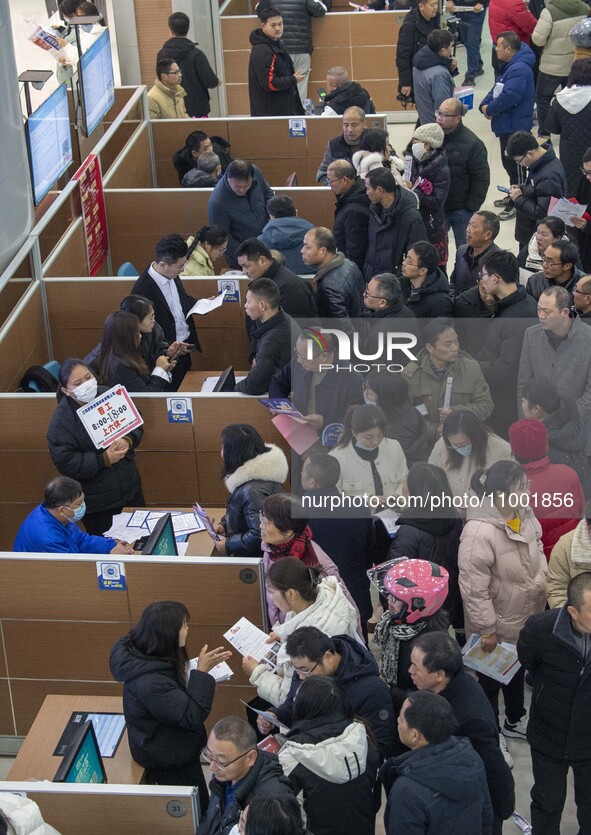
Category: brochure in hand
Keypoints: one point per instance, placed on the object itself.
(248, 639)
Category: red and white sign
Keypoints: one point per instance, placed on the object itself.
(94, 216)
(111, 416)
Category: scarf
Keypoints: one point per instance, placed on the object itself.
(370, 455)
(580, 552)
(299, 546)
(440, 373)
(387, 635)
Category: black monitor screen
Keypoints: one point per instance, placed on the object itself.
(96, 81)
(226, 380)
(83, 762)
(49, 141)
(162, 542)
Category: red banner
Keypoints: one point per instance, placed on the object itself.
(94, 216)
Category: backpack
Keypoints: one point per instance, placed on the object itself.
(39, 379)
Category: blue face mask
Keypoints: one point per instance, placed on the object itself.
(78, 512)
(466, 451)
(369, 402)
(359, 445)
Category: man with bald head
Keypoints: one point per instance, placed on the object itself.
(468, 165)
(345, 145)
(351, 214)
(342, 93)
(339, 282)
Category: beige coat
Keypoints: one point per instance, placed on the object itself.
(356, 477)
(502, 573)
(199, 263)
(559, 51)
(165, 103)
(469, 388)
(570, 556)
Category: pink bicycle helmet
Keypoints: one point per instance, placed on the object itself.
(421, 585)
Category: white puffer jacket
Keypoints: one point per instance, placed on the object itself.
(23, 816)
(331, 612)
(552, 34)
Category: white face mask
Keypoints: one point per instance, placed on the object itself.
(369, 402)
(418, 150)
(85, 392)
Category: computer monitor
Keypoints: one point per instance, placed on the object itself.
(83, 762)
(49, 142)
(226, 380)
(97, 84)
(161, 542)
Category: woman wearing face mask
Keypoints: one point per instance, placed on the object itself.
(404, 423)
(205, 247)
(121, 362)
(431, 181)
(306, 598)
(109, 478)
(466, 445)
(502, 575)
(370, 462)
(166, 704)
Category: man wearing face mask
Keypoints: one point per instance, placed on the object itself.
(50, 528)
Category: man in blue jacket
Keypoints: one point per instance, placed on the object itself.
(50, 528)
(510, 103)
(239, 204)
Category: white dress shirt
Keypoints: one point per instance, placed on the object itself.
(171, 294)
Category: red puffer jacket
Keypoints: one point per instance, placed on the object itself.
(510, 16)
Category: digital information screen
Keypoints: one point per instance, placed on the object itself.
(49, 142)
(97, 82)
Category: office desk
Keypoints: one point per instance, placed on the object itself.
(200, 543)
(35, 760)
(194, 379)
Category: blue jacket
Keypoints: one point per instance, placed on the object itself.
(286, 235)
(512, 108)
(41, 532)
(440, 789)
(242, 217)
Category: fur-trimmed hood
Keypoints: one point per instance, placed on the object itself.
(268, 466)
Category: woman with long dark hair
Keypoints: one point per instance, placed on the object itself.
(109, 478)
(205, 246)
(120, 360)
(330, 759)
(272, 816)
(165, 704)
(252, 470)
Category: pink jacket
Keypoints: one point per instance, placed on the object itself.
(330, 570)
(510, 16)
(502, 573)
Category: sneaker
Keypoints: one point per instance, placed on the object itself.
(516, 730)
(507, 213)
(505, 751)
(503, 202)
(468, 81)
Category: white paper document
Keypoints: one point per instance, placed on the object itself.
(203, 306)
(501, 664)
(248, 639)
(210, 382)
(221, 671)
(187, 523)
(564, 209)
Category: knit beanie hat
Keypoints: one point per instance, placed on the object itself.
(529, 439)
(430, 133)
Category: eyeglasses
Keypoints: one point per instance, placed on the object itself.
(407, 260)
(367, 294)
(443, 115)
(336, 179)
(208, 756)
(306, 673)
(305, 356)
(580, 292)
(174, 72)
(551, 263)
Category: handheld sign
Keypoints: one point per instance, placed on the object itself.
(109, 417)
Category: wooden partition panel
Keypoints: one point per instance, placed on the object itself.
(138, 219)
(365, 44)
(170, 135)
(151, 22)
(134, 168)
(69, 256)
(58, 627)
(24, 344)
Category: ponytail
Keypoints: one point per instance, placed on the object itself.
(290, 573)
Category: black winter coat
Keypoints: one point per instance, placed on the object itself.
(349, 94)
(297, 296)
(368, 695)
(412, 36)
(351, 218)
(297, 14)
(477, 722)
(391, 232)
(348, 543)
(432, 299)
(537, 283)
(560, 714)
(164, 718)
(271, 347)
(470, 308)
(146, 286)
(469, 169)
(574, 130)
(371, 323)
(74, 455)
(467, 267)
(409, 428)
(152, 346)
(184, 161)
(248, 486)
(126, 375)
(438, 541)
(437, 790)
(198, 76)
(567, 440)
(335, 392)
(336, 148)
(583, 195)
(432, 205)
(545, 179)
(266, 778)
(324, 760)
(339, 289)
(272, 85)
